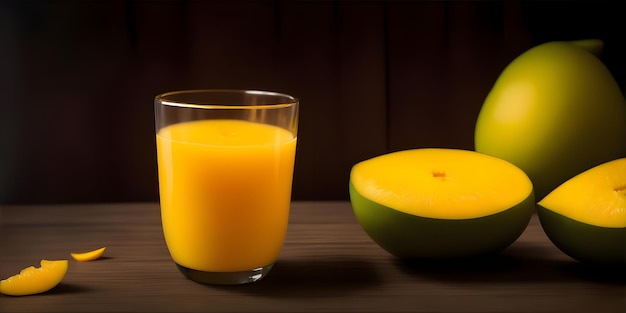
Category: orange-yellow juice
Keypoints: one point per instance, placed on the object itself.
(225, 188)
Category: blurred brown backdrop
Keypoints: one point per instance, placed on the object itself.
(77, 79)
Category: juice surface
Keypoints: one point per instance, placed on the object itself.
(225, 188)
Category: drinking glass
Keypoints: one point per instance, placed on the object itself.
(225, 169)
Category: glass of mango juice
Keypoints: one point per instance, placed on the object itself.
(225, 170)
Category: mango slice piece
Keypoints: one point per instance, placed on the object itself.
(89, 255)
(34, 280)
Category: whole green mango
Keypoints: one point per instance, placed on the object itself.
(555, 111)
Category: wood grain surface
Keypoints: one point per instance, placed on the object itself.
(328, 264)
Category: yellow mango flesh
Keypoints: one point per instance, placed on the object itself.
(595, 197)
(33, 280)
(441, 183)
(89, 255)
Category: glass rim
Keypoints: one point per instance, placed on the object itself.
(164, 99)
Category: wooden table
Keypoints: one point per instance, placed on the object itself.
(328, 264)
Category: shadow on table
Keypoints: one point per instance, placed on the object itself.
(64, 288)
(292, 278)
(513, 266)
(615, 274)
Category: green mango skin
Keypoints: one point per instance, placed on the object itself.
(408, 236)
(583, 242)
(555, 111)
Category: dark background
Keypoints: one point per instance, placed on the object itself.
(77, 79)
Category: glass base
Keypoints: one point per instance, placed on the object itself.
(225, 278)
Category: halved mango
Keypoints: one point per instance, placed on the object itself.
(585, 217)
(441, 203)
